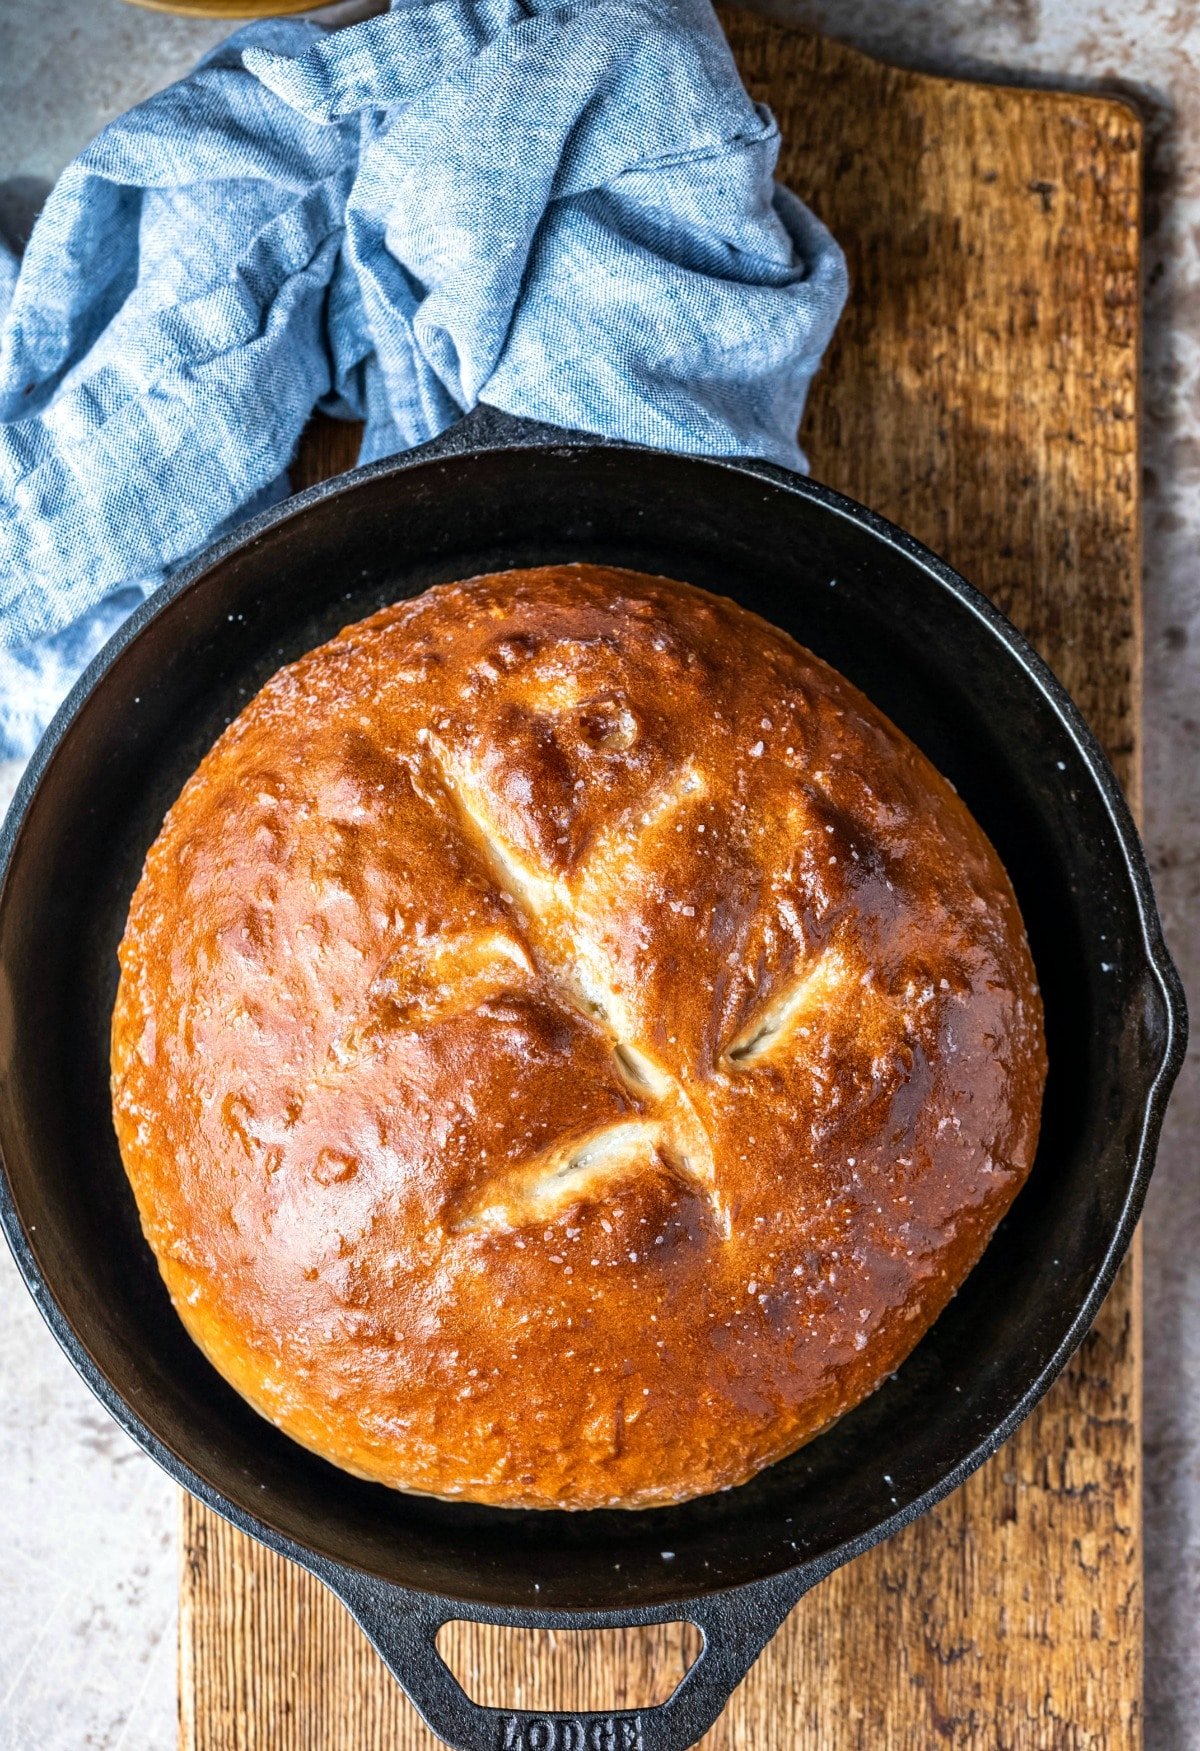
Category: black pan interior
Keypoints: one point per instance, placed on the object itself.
(929, 657)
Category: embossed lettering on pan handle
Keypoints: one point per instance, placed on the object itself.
(403, 1627)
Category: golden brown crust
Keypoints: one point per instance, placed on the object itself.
(570, 1045)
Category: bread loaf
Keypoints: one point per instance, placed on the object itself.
(569, 1044)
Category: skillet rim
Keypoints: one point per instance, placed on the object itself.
(487, 431)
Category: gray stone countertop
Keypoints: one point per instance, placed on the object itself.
(87, 1523)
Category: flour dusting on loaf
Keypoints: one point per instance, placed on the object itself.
(569, 1045)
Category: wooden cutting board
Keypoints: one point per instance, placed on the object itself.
(983, 392)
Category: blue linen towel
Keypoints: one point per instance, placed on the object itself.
(566, 211)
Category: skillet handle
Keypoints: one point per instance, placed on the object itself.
(490, 428)
(403, 1628)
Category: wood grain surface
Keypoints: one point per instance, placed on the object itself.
(982, 391)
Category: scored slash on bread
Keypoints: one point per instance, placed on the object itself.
(574, 957)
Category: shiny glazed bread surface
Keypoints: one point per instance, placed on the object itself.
(570, 1045)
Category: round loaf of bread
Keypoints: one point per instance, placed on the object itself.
(570, 1045)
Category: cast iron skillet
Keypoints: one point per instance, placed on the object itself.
(950, 670)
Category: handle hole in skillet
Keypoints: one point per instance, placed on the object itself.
(569, 1670)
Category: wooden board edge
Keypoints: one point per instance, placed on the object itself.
(1037, 87)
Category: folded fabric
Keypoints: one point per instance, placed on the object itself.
(563, 210)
